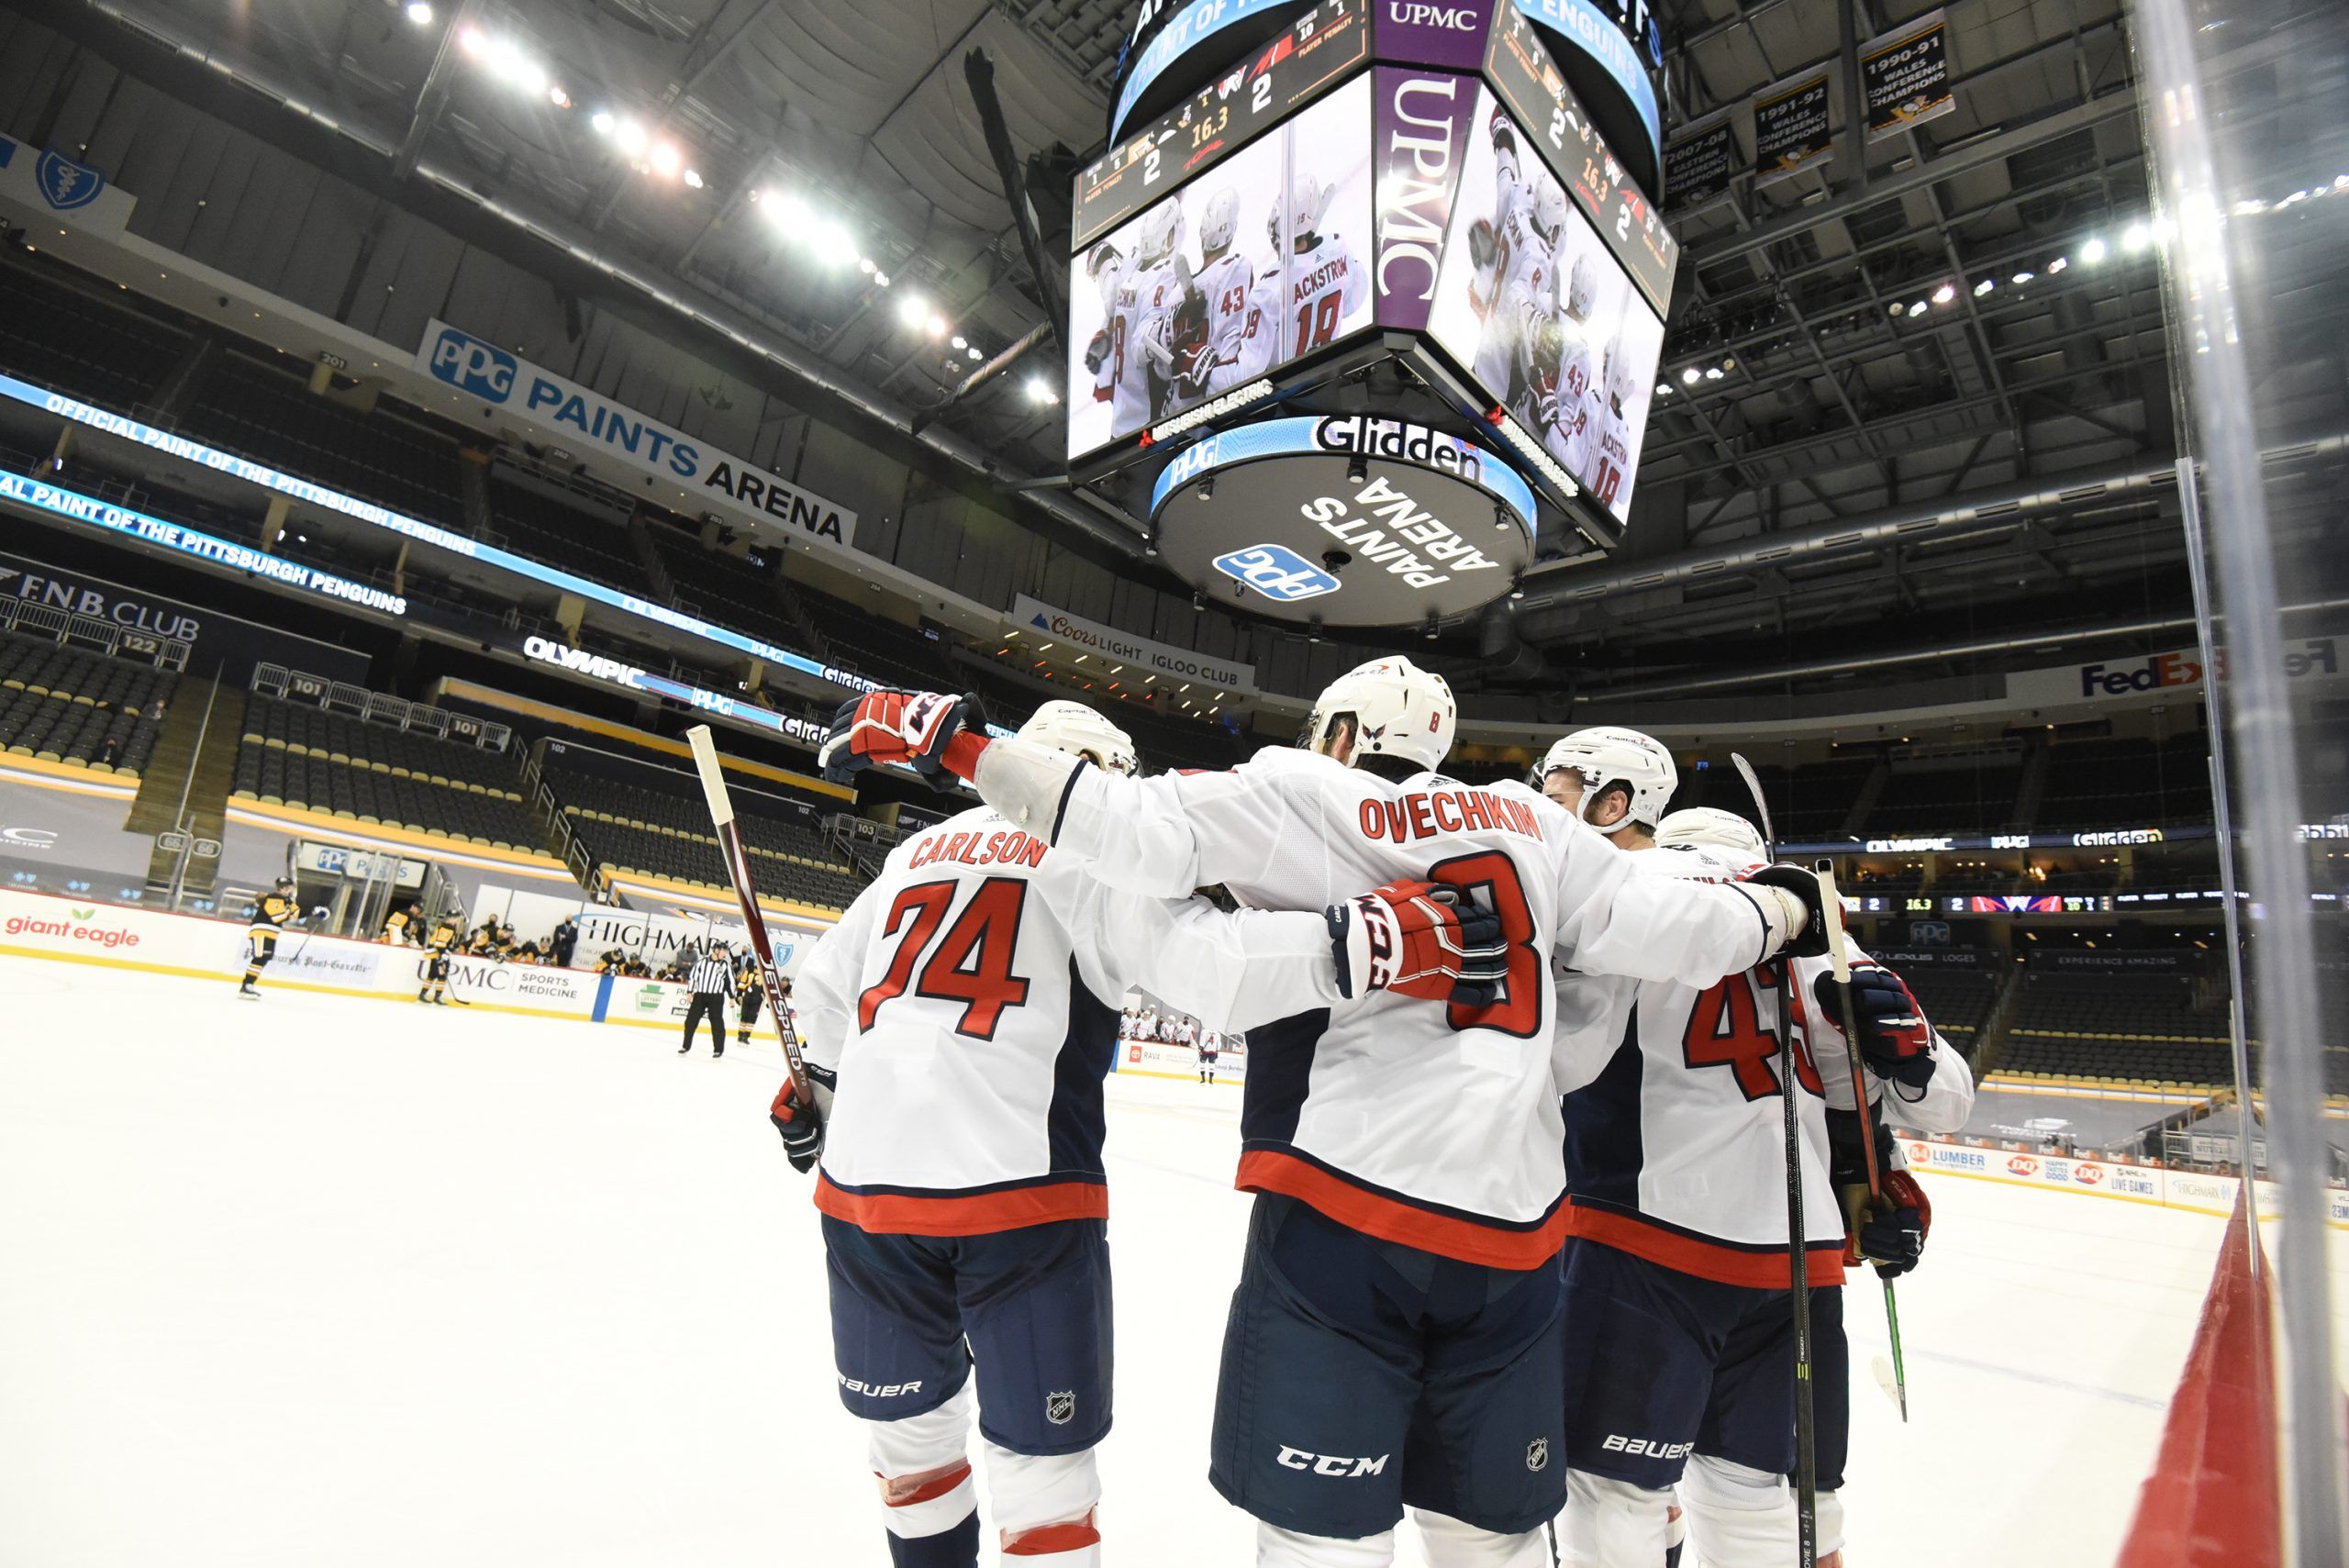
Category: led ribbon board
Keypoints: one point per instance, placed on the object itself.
(383, 517)
(1351, 519)
(89, 509)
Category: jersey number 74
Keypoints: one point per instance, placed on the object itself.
(970, 964)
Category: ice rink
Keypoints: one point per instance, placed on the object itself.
(324, 1281)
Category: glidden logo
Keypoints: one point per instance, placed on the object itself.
(2023, 1165)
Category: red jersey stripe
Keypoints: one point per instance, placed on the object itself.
(968, 1214)
(1689, 1255)
(1373, 1214)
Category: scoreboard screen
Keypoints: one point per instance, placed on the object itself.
(1308, 56)
(1535, 91)
(1533, 303)
(1228, 279)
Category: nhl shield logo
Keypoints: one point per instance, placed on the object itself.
(65, 185)
(1060, 1408)
(1537, 1455)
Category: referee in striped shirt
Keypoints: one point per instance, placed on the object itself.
(712, 977)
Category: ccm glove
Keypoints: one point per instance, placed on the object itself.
(1416, 939)
(1891, 1231)
(912, 728)
(802, 1126)
(1894, 1041)
(1802, 907)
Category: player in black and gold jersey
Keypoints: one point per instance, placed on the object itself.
(437, 948)
(405, 928)
(748, 991)
(273, 912)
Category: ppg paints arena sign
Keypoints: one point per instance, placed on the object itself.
(1347, 519)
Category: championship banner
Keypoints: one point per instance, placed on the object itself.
(1904, 74)
(576, 415)
(1697, 167)
(1791, 127)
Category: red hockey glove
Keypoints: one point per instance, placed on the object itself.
(916, 728)
(802, 1126)
(1416, 939)
(1895, 1039)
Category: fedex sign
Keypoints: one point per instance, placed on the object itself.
(2316, 656)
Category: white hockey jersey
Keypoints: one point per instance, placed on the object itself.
(1259, 335)
(965, 1001)
(1227, 282)
(1138, 318)
(1326, 287)
(1434, 1126)
(1675, 1120)
(1944, 1104)
(1609, 454)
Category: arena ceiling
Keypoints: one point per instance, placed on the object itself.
(1917, 398)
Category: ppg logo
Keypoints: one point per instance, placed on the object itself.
(474, 367)
(1276, 572)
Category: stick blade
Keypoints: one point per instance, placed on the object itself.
(1881, 1368)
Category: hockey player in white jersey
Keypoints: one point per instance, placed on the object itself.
(1394, 1341)
(1528, 226)
(1607, 454)
(1224, 281)
(1139, 314)
(957, 1026)
(1327, 286)
(1680, 1335)
(1106, 267)
(1901, 1055)
(1567, 429)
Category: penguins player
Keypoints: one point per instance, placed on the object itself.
(273, 912)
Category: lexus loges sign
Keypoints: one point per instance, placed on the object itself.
(1351, 519)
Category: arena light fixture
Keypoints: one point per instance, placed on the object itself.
(602, 121)
(973, 351)
(2134, 238)
(912, 309)
(2024, 276)
(935, 326)
(1984, 286)
(1919, 308)
(1041, 390)
(960, 341)
(665, 161)
(2092, 252)
(693, 178)
(1714, 374)
(881, 278)
(419, 13)
(1664, 389)
(2058, 265)
(1691, 376)
(1945, 293)
(864, 265)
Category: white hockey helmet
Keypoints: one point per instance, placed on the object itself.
(1504, 139)
(1582, 289)
(1219, 220)
(1607, 754)
(1303, 210)
(1399, 710)
(1108, 266)
(1075, 729)
(1619, 375)
(1549, 207)
(1162, 231)
(1711, 827)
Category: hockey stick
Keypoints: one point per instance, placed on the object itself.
(1839, 958)
(738, 870)
(1797, 1232)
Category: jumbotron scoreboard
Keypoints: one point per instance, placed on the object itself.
(1366, 300)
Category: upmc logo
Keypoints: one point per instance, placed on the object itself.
(474, 367)
(2023, 1165)
(1452, 18)
(1276, 572)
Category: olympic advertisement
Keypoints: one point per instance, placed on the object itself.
(1258, 262)
(1531, 301)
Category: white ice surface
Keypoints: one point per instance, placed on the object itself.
(324, 1281)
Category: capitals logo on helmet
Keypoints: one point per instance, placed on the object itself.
(1399, 710)
(1708, 826)
(1303, 210)
(1607, 755)
(1219, 222)
(1075, 729)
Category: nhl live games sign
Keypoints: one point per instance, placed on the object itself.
(578, 417)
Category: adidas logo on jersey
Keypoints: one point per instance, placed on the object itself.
(1651, 1447)
(1331, 1463)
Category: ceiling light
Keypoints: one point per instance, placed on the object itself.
(1729, 365)
(2133, 239)
(912, 309)
(628, 137)
(959, 341)
(1984, 286)
(419, 13)
(1893, 309)
(1664, 389)
(2092, 252)
(1714, 374)
(881, 278)
(558, 97)
(1039, 391)
(665, 160)
(935, 326)
(2058, 265)
(973, 352)
(602, 120)
(864, 265)
(1918, 309)
(2023, 277)
(693, 178)
(1945, 293)
(1692, 375)
(471, 39)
